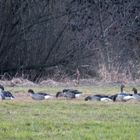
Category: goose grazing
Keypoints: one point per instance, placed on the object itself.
(122, 96)
(136, 95)
(5, 95)
(39, 96)
(104, 98)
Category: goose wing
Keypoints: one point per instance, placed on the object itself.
(7, 94)
(37, 96)
(44, 94)
(72, 90)
(69, 95)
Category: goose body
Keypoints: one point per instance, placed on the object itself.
(39, 95)
(46, 95)
(136, 97)
(103, 98)
(5, 95)
(76, 92)
(128, 97)
(121, 97)
(69, 94)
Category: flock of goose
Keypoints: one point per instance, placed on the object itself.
(122, 96)
(71, 94)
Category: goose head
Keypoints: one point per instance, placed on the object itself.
(30, 91)
(135, 90)
(58, 93)
(88, 98)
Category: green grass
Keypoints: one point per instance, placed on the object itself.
(69, 119)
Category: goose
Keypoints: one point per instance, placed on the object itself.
(104, 98)
(136, 95)
(67, 95)
(76, 92)
(122, 96)
(5, 95)
(39, 95)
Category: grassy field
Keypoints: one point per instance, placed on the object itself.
(25, 119)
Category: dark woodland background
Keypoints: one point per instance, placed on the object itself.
(57, 38)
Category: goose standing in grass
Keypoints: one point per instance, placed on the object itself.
(136, 95)
(39, 95)
(122, 96)
(5, 95)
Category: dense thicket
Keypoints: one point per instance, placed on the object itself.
(39, 38)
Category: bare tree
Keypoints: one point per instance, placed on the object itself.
(38, 35)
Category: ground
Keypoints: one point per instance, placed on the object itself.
(26, 119)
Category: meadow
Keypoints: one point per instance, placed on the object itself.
(26, 119)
